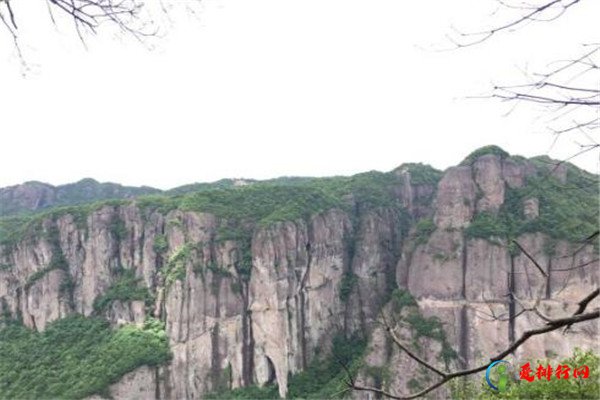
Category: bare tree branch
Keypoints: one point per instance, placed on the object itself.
(528, 13)
(583, 304)
(582, 265)
(530, 258)
(412, 355)
(568, 87)
(89, 15)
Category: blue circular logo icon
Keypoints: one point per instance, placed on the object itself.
(502, 375)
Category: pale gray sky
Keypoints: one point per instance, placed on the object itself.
(260, 89)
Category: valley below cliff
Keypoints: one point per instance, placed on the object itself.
(267, 285)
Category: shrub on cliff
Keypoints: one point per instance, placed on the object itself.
(75, 357)
(126, 288)
(482, 151)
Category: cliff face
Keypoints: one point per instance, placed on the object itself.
(474, 286)
(254, 304)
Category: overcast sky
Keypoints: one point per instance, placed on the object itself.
(260, 89)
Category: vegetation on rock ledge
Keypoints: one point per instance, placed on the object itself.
(75, 357)
(126, 288)
(568, 212)
(261, 203)
(421, 174)
(482, 151)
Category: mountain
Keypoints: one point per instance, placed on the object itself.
(260, 290)
(35, 196)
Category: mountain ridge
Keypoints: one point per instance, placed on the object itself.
(34, 196)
